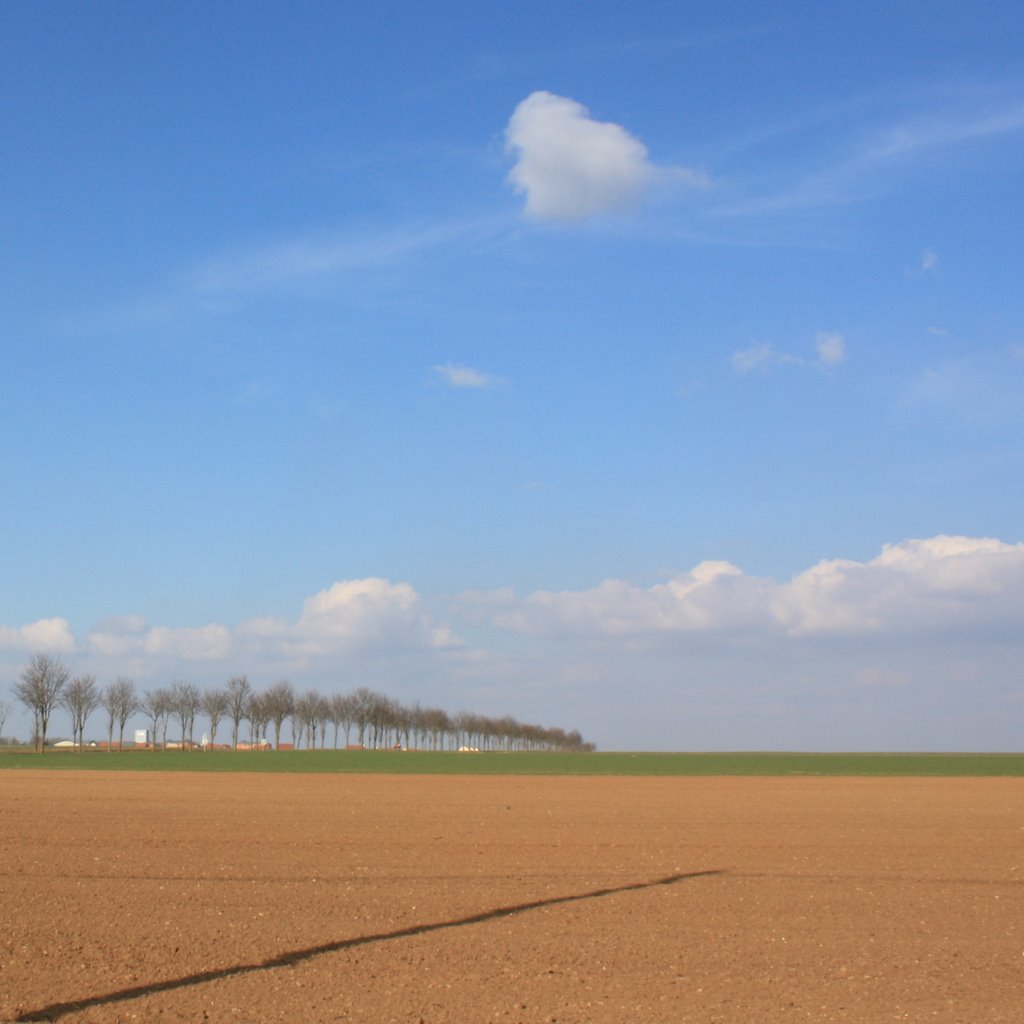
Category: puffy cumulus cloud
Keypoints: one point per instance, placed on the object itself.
(118, 636)
(942, 585)
(711, 597)
(203, 643)
(937, 585)
(570, 167)
(130, 636)
(42, 635)
(362, 613)
(350, 615)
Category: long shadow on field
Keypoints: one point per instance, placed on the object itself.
(57, 1010)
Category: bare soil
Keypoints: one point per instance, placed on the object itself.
(191, 897)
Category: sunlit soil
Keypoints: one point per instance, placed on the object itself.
(243, 897)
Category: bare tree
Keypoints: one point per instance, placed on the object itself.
(5, 710)
(239, 695)
(383, 719)
(322, 715)
(362, 705)
(215, 707)
(40, 688)
(185, 702)
(304, 718)
(155, 705)
(120, 703)
(165, 721)
(437, 724)
(298, 722)
(280, 700)
(80, 700)
(259, 717)
(343, 711)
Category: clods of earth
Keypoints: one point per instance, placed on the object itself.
(427, 899)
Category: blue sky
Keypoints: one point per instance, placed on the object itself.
(655, 370)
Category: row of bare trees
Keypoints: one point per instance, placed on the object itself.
(46, 684)
(362, 717)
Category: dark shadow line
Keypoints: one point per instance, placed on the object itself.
(55, 1011)
(880, 879)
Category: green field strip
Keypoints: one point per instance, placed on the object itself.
(493, 763)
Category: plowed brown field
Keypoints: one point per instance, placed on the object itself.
(190, 897)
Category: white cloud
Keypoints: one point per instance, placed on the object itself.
(360, 613)
(349, 615)
(829, 346)
(203, 643)
(712, 596)
(130, 636)
(571, 167)
(918, 647)
(929, 260)
(760, 355)
(369, 614)
(942, 585)
(42, 635)
(936, 585)
(118, 636)
(458, 376)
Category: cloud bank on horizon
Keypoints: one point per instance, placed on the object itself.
(914, 596)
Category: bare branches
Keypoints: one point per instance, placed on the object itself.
(379, 721)
(80, 700)
(5, 710)
(185, 702)
(280, 704)
(156, 706)
(120, 703)
(239, 695)
(40, 688)
(215, 706)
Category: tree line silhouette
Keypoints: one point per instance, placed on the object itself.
(362, 717)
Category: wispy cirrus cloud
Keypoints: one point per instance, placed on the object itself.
(220, 283)
(983, 389)
(869, 151)
(327, 254)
